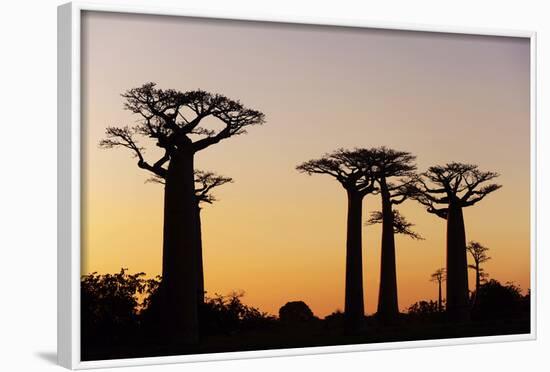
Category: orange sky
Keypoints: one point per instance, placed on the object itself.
(277, 234)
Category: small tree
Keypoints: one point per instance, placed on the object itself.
(109, 306)
(174, 120)
(445, 190)
(353, 170)
(439, 277)
(479, 255)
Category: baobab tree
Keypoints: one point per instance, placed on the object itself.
(400, 226)
(479, 255)
(445, 190)
(175, 121)
(439, 277)
(394, 173)
(205, 182)
(353, 169)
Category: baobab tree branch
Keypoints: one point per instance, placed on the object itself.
(323, 166)
(123, 137)
(156, 179)
(400, 224)
(439, 212)
(159, 163)
(430, 190)
(206, 182)
(480, 194)
(399, 200)
(236, 118)
(151, 102)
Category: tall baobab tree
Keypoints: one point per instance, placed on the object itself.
(479, 255)
(205, 182)
(394, 173)
(400, 226)
(439, 277)
(445, 190)
(352, 168)
(175, 121)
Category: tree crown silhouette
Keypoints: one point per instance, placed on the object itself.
(391, 163)
(453, 183)
(352, 168)
(439, 275)
(478, 252)
(174, 120)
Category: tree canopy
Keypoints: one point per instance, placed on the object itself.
(458, 183)
(352, 168)
(175, 121)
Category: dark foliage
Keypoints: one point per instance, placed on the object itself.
(110, 307)
(217, 315)
(120, 320)
(295, 312)
(424, 309)
(228, 315)
(497, 301)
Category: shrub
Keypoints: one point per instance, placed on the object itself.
(497, 301)
(295, 312)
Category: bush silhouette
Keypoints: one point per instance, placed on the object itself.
(110, 307)
(425, 310)
(497, 301)
(295, 312)
(228, 315)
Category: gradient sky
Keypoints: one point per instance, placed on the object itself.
(275, 233)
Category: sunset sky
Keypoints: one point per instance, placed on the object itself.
(277, 234)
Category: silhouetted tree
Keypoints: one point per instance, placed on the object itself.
(295, 312)
(353, 169)
(229, 315)
(423, 309)
(479, 255)
(439, 277)
(205, 182)
(400, 226)
(497, 301)
(454, 186)
(109, 308)
(394, 173)
(175, 121)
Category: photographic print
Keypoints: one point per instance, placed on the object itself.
(254, 185)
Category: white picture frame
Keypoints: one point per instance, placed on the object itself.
(69, 184)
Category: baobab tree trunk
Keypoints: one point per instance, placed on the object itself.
(439, 298)
(473, 300)
(388, 308)
(179, 318)
(457, 266)
(478, 279)
(354, 306)
(200, 265)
